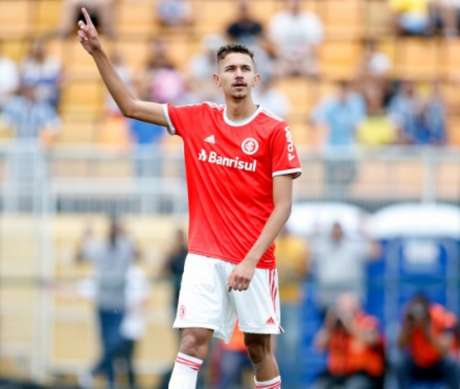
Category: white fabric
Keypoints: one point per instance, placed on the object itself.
(294, 33)
(137, 290)
(183, 377)
(9, 79)
(205, 302)
(339, 266)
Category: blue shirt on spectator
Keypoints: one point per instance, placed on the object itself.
(342, 118)
(145, 133)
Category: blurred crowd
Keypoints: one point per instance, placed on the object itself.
(359, 352)
(370, 108)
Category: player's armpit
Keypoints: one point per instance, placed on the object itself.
(148, 112)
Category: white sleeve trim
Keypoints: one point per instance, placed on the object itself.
(171, 129)
(295, 172)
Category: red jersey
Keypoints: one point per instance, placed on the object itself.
(230, 168)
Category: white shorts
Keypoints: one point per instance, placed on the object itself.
(205, 302)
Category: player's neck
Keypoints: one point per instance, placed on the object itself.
(240, 110)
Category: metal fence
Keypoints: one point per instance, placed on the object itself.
(91, 179)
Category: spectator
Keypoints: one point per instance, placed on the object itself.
(166, 83)
(101, 12)
(354, 345)
(134, 322)
(338, 262)
(446, 16)
(404, 109)
(43, 71)
(245, 29)
(132, 327)
(411, 17)
(9, 77)
(419, 121)
(433, 119)
(30, 119)
(426, 340)
(250, 32)
(173, 13)
(340, 116)
(112, 258)
(270, 98)
(373, 75)
(296, 35)
(291, 254)
(377, 129)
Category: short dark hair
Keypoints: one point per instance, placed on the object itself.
(233, 48)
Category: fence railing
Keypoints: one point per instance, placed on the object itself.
(151, 181)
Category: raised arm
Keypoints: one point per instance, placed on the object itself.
(129, 105)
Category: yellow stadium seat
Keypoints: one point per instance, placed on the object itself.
(296, 90)
(134, 53)
(213, 16)
(343, 19)
(417, 58)
(136, 17)
(450, 60)
(47, 15)
(15, 18)
(339, 58)
(377, 18)
(15, 48)
(83, 95)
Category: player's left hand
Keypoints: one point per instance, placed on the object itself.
(241, 276)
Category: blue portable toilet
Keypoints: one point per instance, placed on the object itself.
(306, 220)
(421, 253)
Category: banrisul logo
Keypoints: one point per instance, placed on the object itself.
(235, 163)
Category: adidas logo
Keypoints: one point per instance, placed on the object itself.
(210, 139)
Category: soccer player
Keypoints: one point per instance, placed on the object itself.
(240, 163)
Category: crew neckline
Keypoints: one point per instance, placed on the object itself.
(242, 122)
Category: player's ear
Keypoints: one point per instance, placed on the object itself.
(256, 79)
(216, 79)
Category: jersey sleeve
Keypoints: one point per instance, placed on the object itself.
(180, 118)
(285, 160)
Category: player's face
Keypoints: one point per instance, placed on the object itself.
(236, 75)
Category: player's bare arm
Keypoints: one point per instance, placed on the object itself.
(282, 197)
(129, 105)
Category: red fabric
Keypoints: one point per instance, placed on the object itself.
(423, 352)
(348, 355)
(230, 177)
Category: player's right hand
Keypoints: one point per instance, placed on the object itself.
(87, 34)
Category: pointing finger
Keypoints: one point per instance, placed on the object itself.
(87, 17)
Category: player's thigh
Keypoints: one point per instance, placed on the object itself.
(257, 308)
(202, 298)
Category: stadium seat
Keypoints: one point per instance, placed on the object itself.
(47, 15)
(339, 59)
(377, 18)
(85, 97)
(343, 20)
(16, 18)
(135, 18)
(417, 58)
(451, 59)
